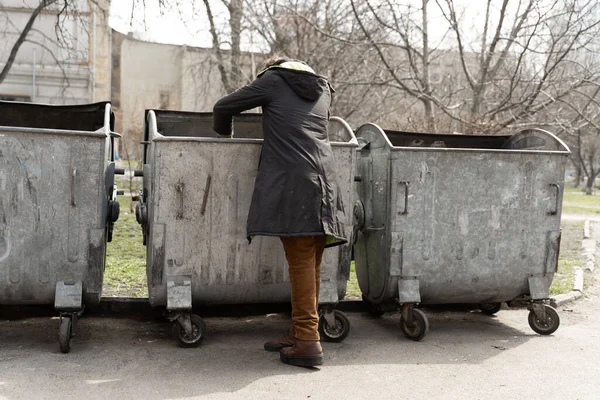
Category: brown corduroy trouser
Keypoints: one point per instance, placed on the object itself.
(304, 256)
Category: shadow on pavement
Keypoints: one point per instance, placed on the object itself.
(115, 354)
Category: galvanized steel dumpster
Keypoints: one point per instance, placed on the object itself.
(458, 219)
(193, 209)
(57, 206)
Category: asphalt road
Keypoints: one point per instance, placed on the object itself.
(466, 355)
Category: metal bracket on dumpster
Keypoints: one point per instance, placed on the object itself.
(408, 290)
(539, 287)
(552, 251)
(68, 296)
(329, 316)
(179, 293)
(363, 144)
(186, 323)
(179, 187)
(539, 310)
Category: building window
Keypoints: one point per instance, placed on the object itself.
(11, 97)
(165, 100)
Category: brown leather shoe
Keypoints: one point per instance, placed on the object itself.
(304, 353)
(286, 340)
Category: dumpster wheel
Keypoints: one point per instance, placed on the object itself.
(419, 328)
(374, 310)
(193, 338)
(490, 308)
(335, 333)
(65, 333)
(547, 324)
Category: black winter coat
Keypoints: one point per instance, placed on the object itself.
(296, 191)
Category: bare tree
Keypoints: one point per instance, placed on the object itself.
(400, 35)
(23, 37)
(60, 30)
(586, 152)
(325, 34)
(522, 63)
(230, 63)
(578, 118)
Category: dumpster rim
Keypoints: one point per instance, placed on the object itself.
(162, 138)
(100, 133)
(490, 151)
(103, 132)
(155, 135)
(565, 151)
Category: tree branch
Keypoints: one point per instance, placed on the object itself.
(21, 39)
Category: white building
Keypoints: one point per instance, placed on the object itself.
(65, 58)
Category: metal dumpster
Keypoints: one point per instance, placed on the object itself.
(458, 219)
(57, 206)
(193, 209)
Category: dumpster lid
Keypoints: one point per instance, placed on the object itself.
(199, 124)
(84, 117)
(417, 139)
(526, 140)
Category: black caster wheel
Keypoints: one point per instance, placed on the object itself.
(65, 333)
(490, 308)
(546, 326)
(192, 339)
(419, 328)
(335, 333)
(374, 310)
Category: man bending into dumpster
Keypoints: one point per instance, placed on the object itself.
(295, 193)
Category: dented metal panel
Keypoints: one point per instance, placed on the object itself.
(470, 224)
(199, 192)
(53, 201)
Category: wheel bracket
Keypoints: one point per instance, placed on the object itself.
(329, 316)
(539, 309)
(407, 314)
(186, 323)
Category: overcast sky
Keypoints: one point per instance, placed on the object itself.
(185, 21)
(181, 22)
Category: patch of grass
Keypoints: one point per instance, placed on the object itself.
(569, 209)
(582, 199)
(352, 290)
(576, 203)
(124, 183)
(569, 258)
(125, 273)
(572, 190)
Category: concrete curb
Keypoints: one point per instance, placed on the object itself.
(589, 252)
(586, 229)
(589, 247)
(562, 299)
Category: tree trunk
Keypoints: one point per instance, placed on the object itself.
(589, 186)
(591, 175)
(577, 175)
(21, 39)
(236, 12)
(427, 103)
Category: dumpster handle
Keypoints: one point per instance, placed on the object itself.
(205, 198)
(557, 186)
(73, 176)
(406, 185)
(179, 190)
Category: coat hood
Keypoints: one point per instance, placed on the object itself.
(302, 79)
(306, 85)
